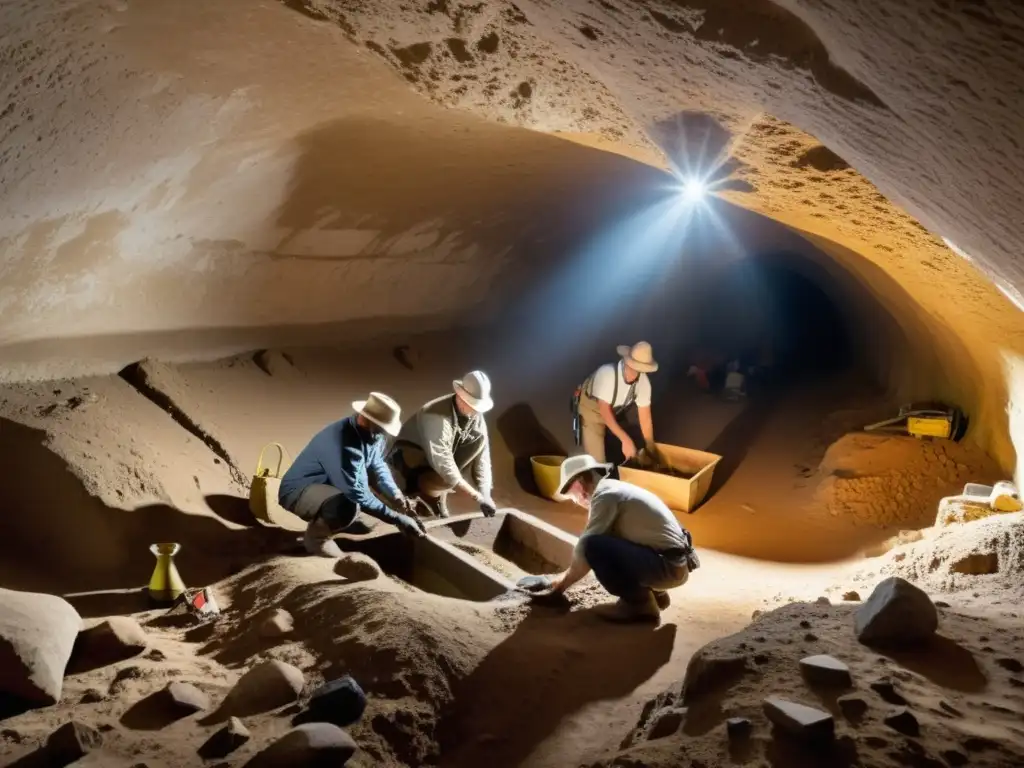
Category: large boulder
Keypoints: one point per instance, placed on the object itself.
(896, 614)
(312, 744)
(37, 635)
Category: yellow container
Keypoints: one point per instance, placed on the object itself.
(165, 585)
(547, 472)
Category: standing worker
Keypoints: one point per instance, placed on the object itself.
(632, 541)
(328, 485)
(605, 396)
(444, 441)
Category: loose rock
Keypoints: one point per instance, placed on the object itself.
(851, 596)
(827, 671)
(903, 720)
(71, 742)
(309, 744)
(92, 696)
(799, 720)
(225, 741)
(185, 697)
(356, 566)
(666, 723)
(114, 640)
(897, 613)
(266, 686)
(279, 623)
(340, 702)
(37, 635)
(707, 672)
(823, 601)
(853, 706)
(738, 728)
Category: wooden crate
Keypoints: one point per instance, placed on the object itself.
(683, 494)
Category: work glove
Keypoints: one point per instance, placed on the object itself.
(408, 505)
(534, 583)
(410, 526)
(487, 507)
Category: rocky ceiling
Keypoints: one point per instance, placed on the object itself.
(244, 165)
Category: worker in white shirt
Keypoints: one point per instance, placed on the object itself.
(604, 398)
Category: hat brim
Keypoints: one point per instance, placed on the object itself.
(392, 428)
(478, 405)
(626, 353)
(606, 468)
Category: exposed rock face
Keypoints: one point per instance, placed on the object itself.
(37, 635)
(896, 613)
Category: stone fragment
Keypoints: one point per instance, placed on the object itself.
(738, 728)
(888, 692)
(71, 742)
(853, 706)
(977, 564)
(312, 744)
(827, 671)
(279, 623)
(823, 601)
(341, 702)
(799, 720)
(896, 614)
(185, 697)
(708, 672)
(225, 741)
(266, 686)
(37, 635)
(116, 639)
(903, 721)
(355, 566)
(666, 723)
(852, 596)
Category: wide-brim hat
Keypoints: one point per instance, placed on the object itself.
(382, 411)
(639, 357)
(475, 389)
(574, 466)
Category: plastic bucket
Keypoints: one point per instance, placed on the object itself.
(547, 472)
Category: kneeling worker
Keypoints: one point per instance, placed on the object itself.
(329, 482)
(606, 395)
(444, 440)
(632, 541)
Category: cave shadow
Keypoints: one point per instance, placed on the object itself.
(944, 662)
(96, 555)
(234, 509)
(525, 436)
(549, 668)
(734, 442)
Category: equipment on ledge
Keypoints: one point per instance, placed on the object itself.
(925, 420)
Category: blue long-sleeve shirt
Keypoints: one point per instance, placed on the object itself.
(344, 456)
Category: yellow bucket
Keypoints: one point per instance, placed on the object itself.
(547, 472)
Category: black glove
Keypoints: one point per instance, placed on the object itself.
(410, 526)
(534, 583)
(487, 507)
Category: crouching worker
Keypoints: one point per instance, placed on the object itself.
(632, 541)
(329, 483)
(446, 440)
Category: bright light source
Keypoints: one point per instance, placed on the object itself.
(694, 190)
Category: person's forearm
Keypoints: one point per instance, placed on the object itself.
(647, 424)
(577, 570)
(608, 415)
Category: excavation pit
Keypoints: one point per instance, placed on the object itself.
(471, 557)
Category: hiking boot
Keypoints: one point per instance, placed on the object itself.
(318, 541)
(625, 612)
(438, 505)
(662, 599)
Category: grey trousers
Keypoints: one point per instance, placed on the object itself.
(327, 503)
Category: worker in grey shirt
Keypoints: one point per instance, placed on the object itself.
(632, 541)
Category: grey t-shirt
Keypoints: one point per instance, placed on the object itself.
(634, 514)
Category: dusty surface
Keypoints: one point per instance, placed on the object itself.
(481, 683)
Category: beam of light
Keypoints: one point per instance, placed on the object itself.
(694, 190)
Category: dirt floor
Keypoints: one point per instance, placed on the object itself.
(107, 466)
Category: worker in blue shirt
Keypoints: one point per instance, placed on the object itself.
(330, 482)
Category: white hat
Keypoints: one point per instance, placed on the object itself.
(639, 357)
(382, 411)
(574, 466)
(475, 389)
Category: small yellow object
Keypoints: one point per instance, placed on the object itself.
(1005, 502)
(547, 472)
(165, 585)
(265, 486)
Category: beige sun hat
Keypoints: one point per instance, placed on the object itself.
(639, 357)
(475, 389)
(382, 411)
(574, 466)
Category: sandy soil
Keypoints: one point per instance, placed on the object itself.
(450, 682)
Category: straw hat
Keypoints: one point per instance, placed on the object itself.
(475, 389)
(639, 357)
(382, 411)
(574, 466)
